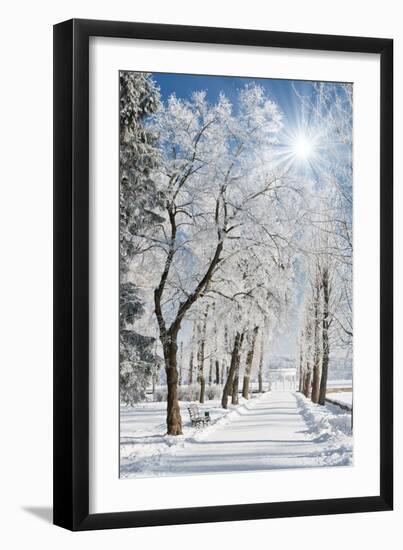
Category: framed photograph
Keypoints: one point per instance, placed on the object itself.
(223, 236)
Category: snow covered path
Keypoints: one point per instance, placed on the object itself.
(276, 430)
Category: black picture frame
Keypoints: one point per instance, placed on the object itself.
(71, 274)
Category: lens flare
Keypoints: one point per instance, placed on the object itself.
(302, 147)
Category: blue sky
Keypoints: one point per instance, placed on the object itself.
(297, 118)
(281, 91)
(286, 94)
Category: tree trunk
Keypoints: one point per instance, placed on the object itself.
(191, 358)
(214, 364)
(210, 372)
(301, 365)
(180, 364)
(168, 336)
(260, 383)
(223, 369)
(249, 362)
(227, 391)
(307, 381)
(202, 390)
(217, 372)
(245, 387)
(202, 345)
(235, 387)
(235, 383)
(230, 385)
(260, 374)
(325, 336)
(308, 356)
(174, 421)
(191, 367)
(316, 351)
(228, 352)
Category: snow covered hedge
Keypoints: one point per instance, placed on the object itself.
(189, 393)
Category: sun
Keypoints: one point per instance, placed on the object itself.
(302, 147)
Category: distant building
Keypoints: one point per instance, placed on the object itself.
(282, 373)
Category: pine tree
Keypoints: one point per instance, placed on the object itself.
(139, 198)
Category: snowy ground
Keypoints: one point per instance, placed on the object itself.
(273, 430)
(143, 429)
(344, 397)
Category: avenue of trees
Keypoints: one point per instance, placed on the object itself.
(327, 320)
(221, 244)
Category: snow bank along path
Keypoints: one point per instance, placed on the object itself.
(276, 430)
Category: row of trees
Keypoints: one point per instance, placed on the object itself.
(314, 339)
(209, 363)
(326, 323)
(211, 238)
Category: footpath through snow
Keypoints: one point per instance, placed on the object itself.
(275, 430)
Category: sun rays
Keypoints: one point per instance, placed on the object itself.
(303, 147)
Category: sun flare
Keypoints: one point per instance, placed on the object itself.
(303, 147)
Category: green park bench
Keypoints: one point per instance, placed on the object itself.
(196, 418)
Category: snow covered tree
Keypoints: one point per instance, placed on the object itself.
(261, 359)
(234, 366)
(330, 110)
(326, 268)
(236, 249)
(316, 321)
(201, 354)
(139, 156)
(325, 335)
(221, 193)
(301, 358)
(139, 198)
(249, 361)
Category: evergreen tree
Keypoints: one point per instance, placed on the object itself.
(139, 200)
